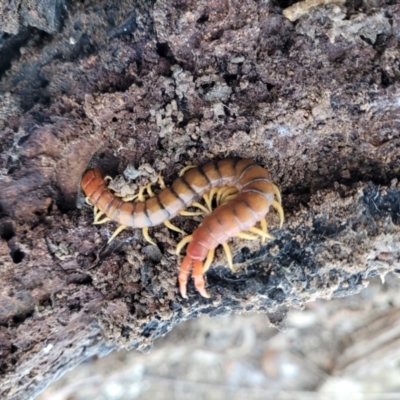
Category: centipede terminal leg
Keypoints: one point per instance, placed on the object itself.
(198, 278)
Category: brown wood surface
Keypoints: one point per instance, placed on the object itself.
(153, 87)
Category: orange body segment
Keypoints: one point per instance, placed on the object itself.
(243, 213)
(256, 195)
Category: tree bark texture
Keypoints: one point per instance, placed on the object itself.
(152, 87)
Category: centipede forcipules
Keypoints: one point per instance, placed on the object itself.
(245, 194)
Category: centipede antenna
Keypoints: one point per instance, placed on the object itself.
(209, 260)
(277, 193)
(146, 235)
(198, 205)
(246, 236)
(102, 221)
(116, 233)
(260, 232)
(98, 215)
(171, 226)
(279, 208)
(264, 228)
(183, 243)
(228, 254)
(183, 170)
(94, 156)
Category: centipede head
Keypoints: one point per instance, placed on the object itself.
(89, 176)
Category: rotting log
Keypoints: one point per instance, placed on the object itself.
(167, 84)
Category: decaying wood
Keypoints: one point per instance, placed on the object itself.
(153, 87)
(297, 10)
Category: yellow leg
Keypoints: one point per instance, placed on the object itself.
(277, 193)
(246, 236)
(149, 190)
(220, 193)
(90, 203)
(186, 169)
(102, 221)
(183, 243)
(146, 235)
(171, 226)
(208, 198)
(120, 195)
(117, 232)
(279, 208)
(228, 198)
(185, 213)
(223, 193)
(209, 260)
(97, 214)
(108, 178)
(130, 198)
(229, 194)
(228, 256)
(261, 233)
(161, 181)
(141, 196)
(264, 225)
(198, 205)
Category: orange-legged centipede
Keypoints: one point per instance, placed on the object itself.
(254, 195)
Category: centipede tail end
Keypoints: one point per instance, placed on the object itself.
(197, 275)
(198, 278)
(184, 273)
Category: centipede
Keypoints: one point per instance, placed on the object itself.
(241, 189)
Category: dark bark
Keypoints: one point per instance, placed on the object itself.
(317, 102)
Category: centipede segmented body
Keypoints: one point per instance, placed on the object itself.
(245, 205)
